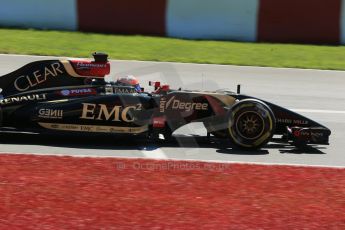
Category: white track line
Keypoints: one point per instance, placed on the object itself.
(318, 111)
(183, 160)
(157, 154)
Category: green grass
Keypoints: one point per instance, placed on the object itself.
(76, 44)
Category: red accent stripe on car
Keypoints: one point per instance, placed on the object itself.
(159, 122)
(307, 21)
(122, 16)
(91, 68)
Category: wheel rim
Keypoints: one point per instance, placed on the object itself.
(250, 125)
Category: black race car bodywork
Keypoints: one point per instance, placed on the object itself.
(72, 96)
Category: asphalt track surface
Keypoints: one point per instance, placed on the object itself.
(317, 94)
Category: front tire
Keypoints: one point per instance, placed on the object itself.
(251, 124)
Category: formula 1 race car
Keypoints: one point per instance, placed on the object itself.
(73, 96)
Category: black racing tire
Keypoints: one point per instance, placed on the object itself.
(251, 124)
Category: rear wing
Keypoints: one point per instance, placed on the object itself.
(54, 73)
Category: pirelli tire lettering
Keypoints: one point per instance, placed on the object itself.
(251, 124)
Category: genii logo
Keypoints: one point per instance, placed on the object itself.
(50, 113)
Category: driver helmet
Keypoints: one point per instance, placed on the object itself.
(129, 80)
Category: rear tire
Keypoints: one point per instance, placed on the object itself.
(251, 124)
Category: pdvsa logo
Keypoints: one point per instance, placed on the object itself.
(78, 92)
(65, 92)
